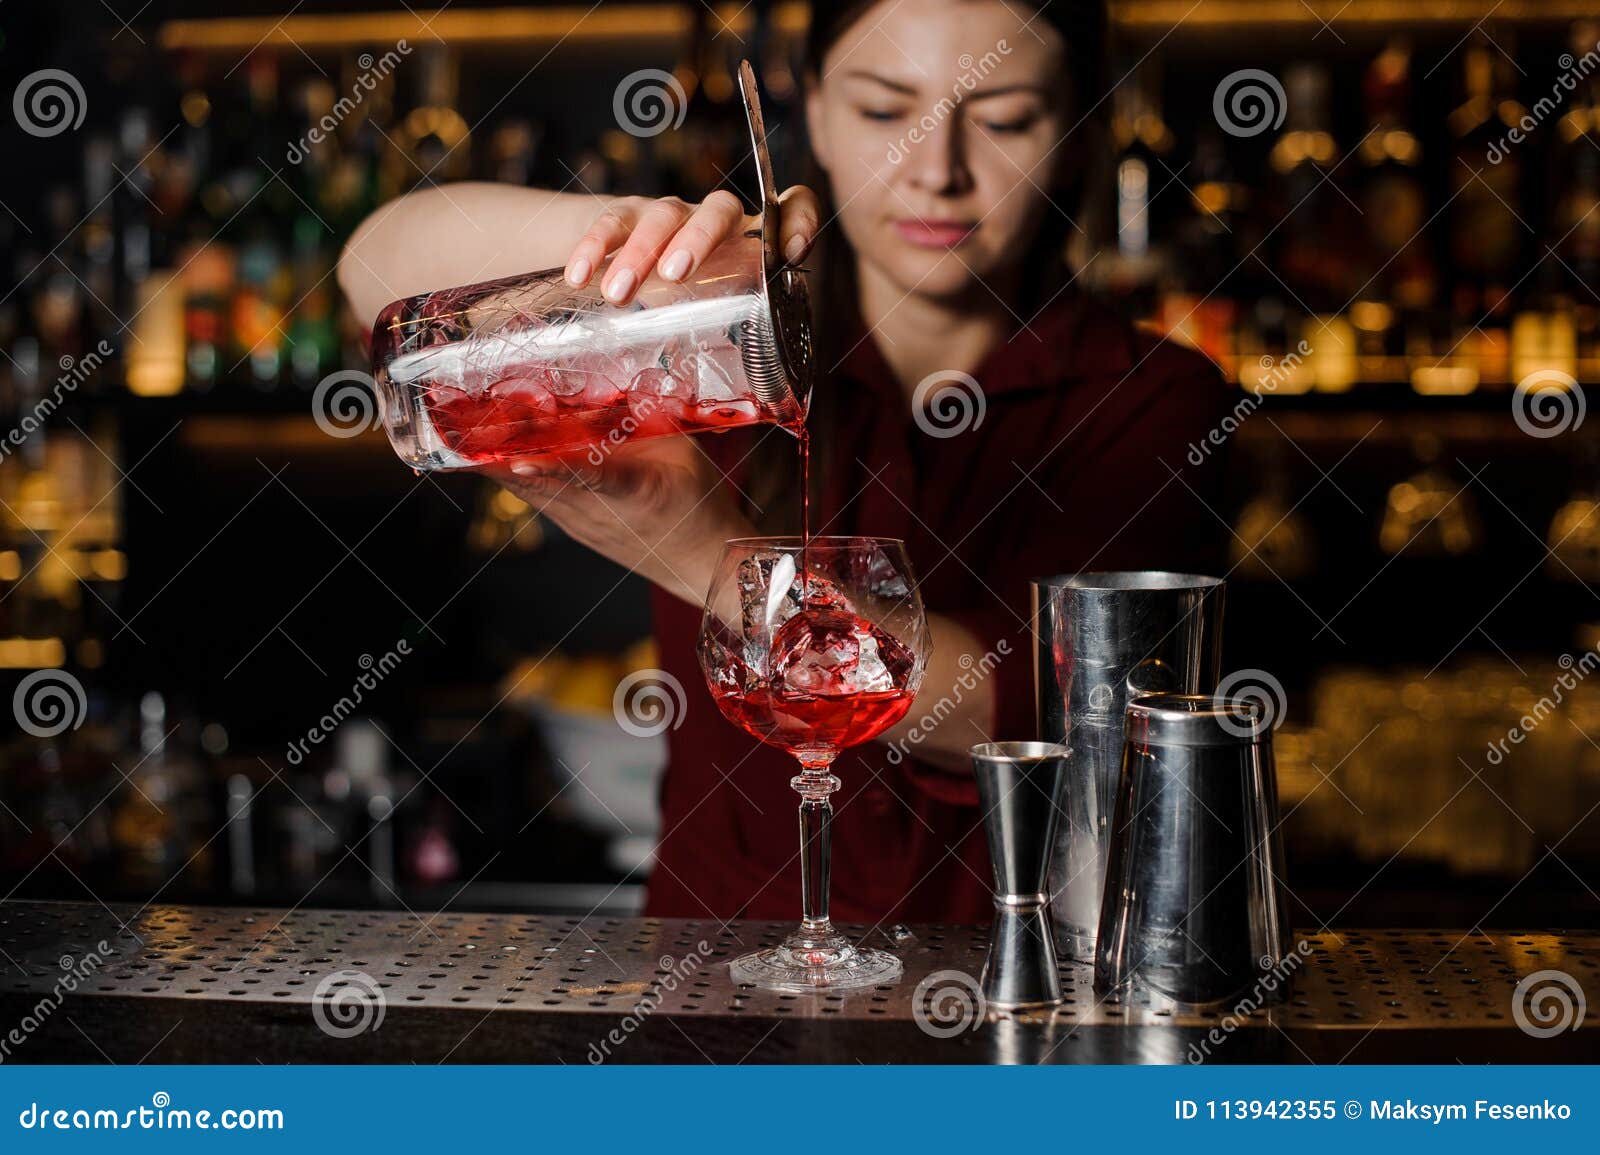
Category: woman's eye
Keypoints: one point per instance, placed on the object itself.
(1009, 127)
(881, 115)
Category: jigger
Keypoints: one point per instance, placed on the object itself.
(1194, 906)
(1021, 786)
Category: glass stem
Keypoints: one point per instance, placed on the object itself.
(814, 785)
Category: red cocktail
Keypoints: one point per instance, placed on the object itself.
(813, 647)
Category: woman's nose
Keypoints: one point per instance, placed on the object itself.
(936, 160)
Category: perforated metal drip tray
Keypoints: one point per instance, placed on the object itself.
(516, 965)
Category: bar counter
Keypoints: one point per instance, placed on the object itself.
(183, 984)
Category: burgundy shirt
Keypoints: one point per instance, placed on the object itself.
(1080, 462)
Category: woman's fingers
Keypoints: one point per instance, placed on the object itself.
(716, 219)
(799, 220)
(655, 226)
(554, 478)
(674, 238)
(610, 229)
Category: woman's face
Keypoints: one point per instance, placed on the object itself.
(939, 123)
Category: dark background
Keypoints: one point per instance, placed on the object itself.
(263, 558)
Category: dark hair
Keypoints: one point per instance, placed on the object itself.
(774, 488)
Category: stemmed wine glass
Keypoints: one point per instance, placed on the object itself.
(812, 647)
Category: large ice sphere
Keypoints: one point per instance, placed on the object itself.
(832, 653)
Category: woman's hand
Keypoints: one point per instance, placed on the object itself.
(657, 506)
(674, 237)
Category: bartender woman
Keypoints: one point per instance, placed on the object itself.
(951, 140)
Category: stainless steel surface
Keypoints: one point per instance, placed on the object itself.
(1349, 980)
(1195, 905)
(1099, 638)
(1021, 787)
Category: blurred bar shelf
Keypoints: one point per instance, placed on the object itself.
(611, 23)
(200, 984)
(464, 27)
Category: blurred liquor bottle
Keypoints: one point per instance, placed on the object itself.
(1320, 227)
(1400, 280)
(205, 259)
(1486, 238)
(1143, 141)
(1576, 212)
(514, 151)
(52, 284)
(37, 609)
(712, 138)
(434, 140)
(96, 239)
(349, 181)
(312, 336)
(1205, 276)
(152, 192)
(146, 826)
(258, 313)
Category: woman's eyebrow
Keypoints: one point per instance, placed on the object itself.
(896, 86)
(977, 94)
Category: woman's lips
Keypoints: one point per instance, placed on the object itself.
(934, 234)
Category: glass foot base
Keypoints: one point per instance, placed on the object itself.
(810, 963)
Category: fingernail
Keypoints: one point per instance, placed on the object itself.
(676, 265)
(528, 469)
(620, 285)
(579, 273)
(796, 249)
